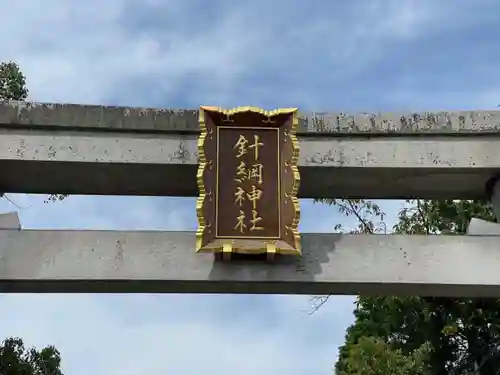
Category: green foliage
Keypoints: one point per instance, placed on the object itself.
(416, 335)
(15, 359)
(12, 82)
(370, 216)
(441, 216)
(374, 356)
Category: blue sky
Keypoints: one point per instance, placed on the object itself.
(359, 55)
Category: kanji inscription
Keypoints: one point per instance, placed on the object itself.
(248, 181)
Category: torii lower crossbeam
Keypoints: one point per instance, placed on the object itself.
(165, 262)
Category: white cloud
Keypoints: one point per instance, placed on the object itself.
(94, 338)
(83, 51)
(103, 212)
(74, 51)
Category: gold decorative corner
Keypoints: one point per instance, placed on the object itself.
(227, 250)
(294, 227)
(200, 174)
(236, 110)
(271, 251)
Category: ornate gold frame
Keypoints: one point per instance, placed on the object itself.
(225, 246)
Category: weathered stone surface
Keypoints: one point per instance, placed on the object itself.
(166, 164)
(148, 119)
(479, 227)
(165, 262)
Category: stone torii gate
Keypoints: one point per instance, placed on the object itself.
(80, 149)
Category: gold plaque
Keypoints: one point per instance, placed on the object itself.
(248, 181)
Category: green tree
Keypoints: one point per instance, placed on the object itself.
(449, 336)
(13, 87)
(12, 82)
(15, 359)
(374, 356)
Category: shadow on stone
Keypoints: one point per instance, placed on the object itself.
(267, 276)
